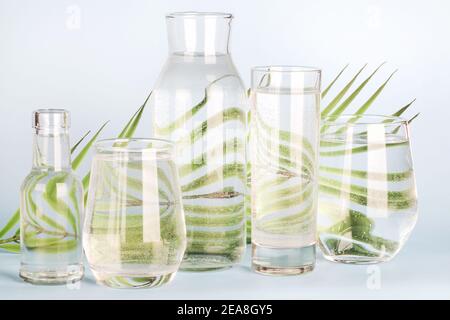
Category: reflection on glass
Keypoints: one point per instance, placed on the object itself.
(367, 194)
(134, 233)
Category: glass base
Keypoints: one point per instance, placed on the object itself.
(356, 259)
(205, 262)
(283, 261)
(40, 276)
(128, 282)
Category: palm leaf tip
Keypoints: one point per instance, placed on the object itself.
(79, 142)
(343, 106)
(130, 128)
(14, 220)
(341, 93)
(372, 98)
(397, 129)
(324, 92)
(127, 131)
(400, 111)
(79, 158)
(415, 116)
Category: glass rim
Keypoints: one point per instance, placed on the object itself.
(286, 69)
(199, 14)
(52, 110)
(50, 119)
(109, 145)
(344, 120)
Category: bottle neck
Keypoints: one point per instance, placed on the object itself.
(51, 150)
(198, 35)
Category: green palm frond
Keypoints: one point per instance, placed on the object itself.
(337, 105)
(341, 94)
(75, 146)
(357, 225)
(324, 92)
(340, 103)
(400, 111)
(13, 222)
(11, 243)
(344, 105)
(80, 157)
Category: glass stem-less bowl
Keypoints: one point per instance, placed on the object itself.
(134, 233)
(367, 189)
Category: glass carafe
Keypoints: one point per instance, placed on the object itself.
(199, 101)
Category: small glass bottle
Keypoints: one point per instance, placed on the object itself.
(51, 204)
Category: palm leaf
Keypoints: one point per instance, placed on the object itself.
(11, 247)
(341, 108)
(62, 208)
(130, 127)
(287, 200)
(399, 112)
(79, 142)
(415, 116)
(375, 95)
(324, 92)
(194, 110)
(409, 121)
(13, 221)
(126, 133)
(79, 158)
(341, 93)
(354, 234)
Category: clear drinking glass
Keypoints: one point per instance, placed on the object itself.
(51, 206)
(200, 103)
(134, 232)
(284, 142)
(367, 197)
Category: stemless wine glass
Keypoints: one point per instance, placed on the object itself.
(134, 231)
(367, 192)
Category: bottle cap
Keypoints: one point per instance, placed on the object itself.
(51, 119)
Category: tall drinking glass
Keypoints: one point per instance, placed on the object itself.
(134, 232)
(367, 197)
(284, 141)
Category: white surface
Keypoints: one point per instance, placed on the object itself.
(419, 274)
